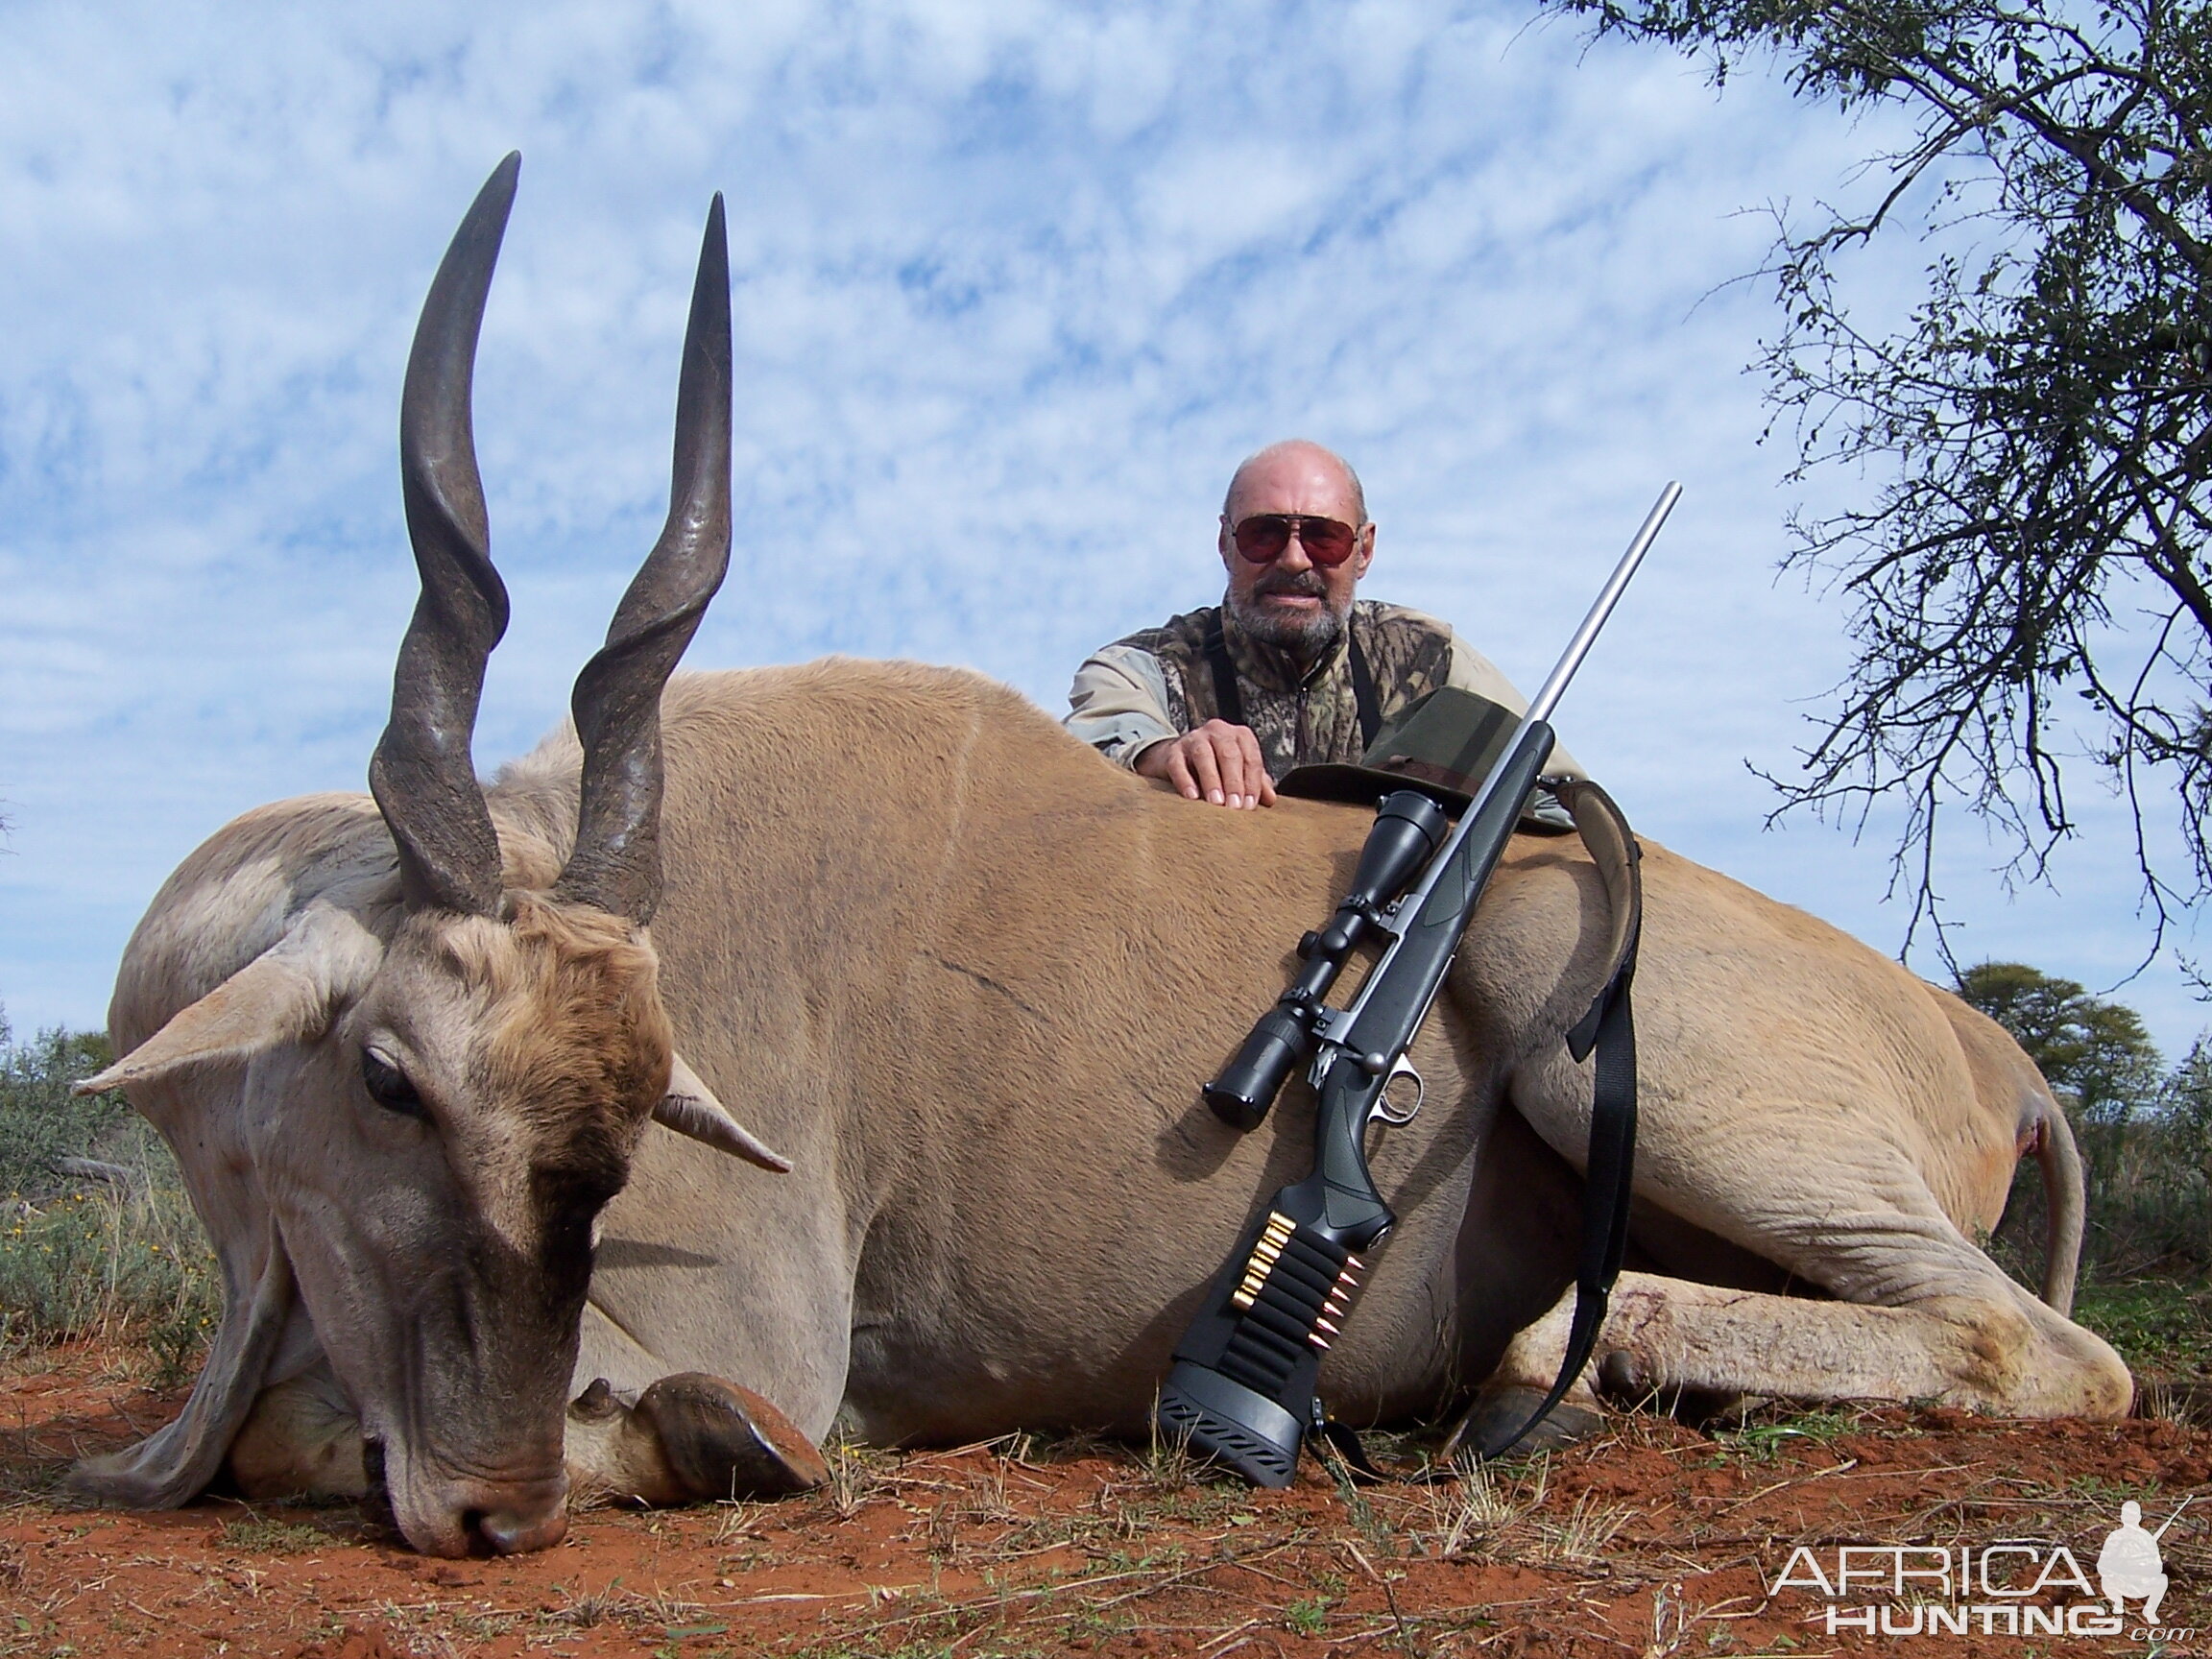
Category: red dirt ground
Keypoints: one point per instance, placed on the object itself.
(1655, 1540)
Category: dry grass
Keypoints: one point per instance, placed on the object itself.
(855, 1474)
(1023, 1548)
(1482, 1507)
(257, 1536)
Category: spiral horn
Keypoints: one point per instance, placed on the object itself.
(422, 775)
(616, 862)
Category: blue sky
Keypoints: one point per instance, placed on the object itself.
(1015, 287)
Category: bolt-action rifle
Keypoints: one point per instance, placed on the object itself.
(1243, 1385)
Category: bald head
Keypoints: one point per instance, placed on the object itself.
(1319, 480)
(1288, 601)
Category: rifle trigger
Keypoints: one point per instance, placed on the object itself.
(1388, 1110)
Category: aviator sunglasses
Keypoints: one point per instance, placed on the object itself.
(1262, 537)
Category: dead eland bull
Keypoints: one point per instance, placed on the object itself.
(968, 978)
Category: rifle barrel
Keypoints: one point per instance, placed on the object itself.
(1417, 896)
(1578, 647)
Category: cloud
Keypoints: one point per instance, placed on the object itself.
(1015, 286)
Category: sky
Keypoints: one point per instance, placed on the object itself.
(1015, 287)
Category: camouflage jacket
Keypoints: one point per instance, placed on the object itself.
(1157, 684)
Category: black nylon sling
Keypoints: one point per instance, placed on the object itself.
(1610, 1028)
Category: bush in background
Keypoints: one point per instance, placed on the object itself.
(97, 1239)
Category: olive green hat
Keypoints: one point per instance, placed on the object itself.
(1445, 742)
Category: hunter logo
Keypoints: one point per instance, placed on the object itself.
(2129, 1564)
(2012, 1587)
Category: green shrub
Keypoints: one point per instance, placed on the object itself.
(128, 1265)
(118, 1254)
(41, 1122)
(2162, 1329)
(2146, 1140)
(2150, 1207)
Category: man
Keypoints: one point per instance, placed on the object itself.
(1290, 671)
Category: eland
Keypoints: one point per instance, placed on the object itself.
(816, 1048)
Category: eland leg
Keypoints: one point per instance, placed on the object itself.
(2003, 1354)
(301, 1440)
(684, 1439)
(1842, 1155)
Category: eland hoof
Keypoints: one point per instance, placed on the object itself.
(722, 1441)
(1497, 1415)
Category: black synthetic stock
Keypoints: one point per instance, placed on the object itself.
(1241, 1389)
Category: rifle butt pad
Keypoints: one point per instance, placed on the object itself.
(1225, 1421)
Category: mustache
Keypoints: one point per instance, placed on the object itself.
(1306, 583)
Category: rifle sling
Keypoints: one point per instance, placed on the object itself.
(1609, 1030)
(1607, 1186)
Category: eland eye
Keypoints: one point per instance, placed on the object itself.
(388, 1086)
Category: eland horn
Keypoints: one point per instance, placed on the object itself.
(616, 862)
(422, 775)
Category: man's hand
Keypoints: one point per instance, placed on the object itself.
(1218, 762)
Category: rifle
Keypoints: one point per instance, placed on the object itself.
(1242, 1387)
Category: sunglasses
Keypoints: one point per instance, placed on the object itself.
(1328, 541)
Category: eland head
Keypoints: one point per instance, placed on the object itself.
(446, 1081)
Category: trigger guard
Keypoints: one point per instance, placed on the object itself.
(1386, 1111)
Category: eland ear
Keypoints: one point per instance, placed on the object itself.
(690, 1107)
(282, 994)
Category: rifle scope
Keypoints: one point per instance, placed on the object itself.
(1408, 828)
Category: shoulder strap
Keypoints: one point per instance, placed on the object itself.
(1364, 694)
(1228, 701)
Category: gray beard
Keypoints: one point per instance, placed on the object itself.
(1306, 641)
